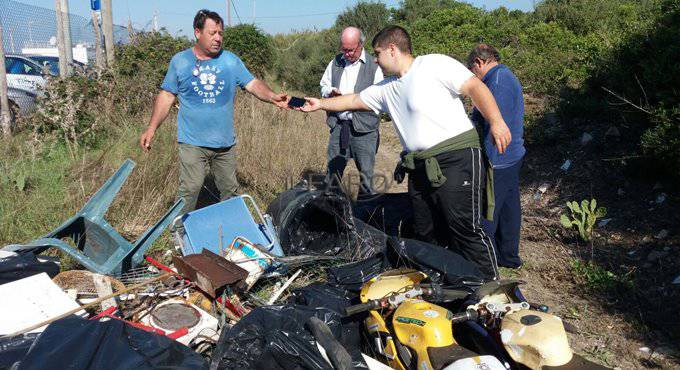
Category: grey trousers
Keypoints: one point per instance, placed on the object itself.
(362, 148)
(193, 163)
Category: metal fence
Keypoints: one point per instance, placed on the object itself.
(32, 27)
(32, 30)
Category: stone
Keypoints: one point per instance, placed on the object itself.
(613, 131)
(662, 234)
(661, 198)
(586, 138)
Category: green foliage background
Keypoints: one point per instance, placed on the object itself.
(565, 53)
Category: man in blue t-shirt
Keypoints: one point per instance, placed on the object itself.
(504, 230)
(205, 78)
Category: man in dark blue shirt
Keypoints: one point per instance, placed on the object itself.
(504, 230)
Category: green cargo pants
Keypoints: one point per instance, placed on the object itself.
(193, 163)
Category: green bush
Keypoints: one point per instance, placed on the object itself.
(303, 58)
(251, 45)
(370, 17)
(662, 140)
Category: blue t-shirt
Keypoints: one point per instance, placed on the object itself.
(507, 91)
(206, 91)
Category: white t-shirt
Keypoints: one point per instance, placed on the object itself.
(425, 103)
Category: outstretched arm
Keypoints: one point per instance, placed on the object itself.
(161, 108)
(336, 104)
(261, 90)
(485, 102)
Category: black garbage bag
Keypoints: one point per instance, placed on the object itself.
(75, 343)
(442, 265)
(13, 349)
(353, 276)
(391, 213)
(19, 266)
(317, 222)
(275, 337)
(324, 295)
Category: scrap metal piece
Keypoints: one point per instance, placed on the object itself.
(174, 316)
(210, 272)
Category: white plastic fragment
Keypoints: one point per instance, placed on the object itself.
(566, 165)
(32, 300)
(603, 222)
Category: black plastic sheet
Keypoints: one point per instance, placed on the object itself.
(19, 266)
(391, 213)
(316, 222)
(275, 337)
(74, 343)
(13, 349)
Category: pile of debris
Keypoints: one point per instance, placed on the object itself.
(125, 310)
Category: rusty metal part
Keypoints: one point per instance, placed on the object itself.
(174, 316)
(210, 272)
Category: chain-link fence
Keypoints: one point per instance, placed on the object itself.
(29, 40)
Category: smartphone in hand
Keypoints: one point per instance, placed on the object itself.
(295, 102)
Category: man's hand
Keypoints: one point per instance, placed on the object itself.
(280, 100)
(145, 139)
(334, 92)
(501, 135)
(312, 105)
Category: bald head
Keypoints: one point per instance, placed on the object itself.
(351, 43)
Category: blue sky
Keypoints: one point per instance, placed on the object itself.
(273, 16)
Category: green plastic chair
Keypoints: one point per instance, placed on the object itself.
(99, 247)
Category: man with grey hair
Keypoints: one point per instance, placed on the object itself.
(504, 229)
(353, 134)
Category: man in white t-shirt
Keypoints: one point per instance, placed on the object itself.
(447, 169)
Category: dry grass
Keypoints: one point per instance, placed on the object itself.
(275, 148)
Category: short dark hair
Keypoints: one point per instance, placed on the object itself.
(484, 52)
(393, 35)
(202, 15)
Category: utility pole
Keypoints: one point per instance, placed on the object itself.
(107, 29)
(155, 21)
(229, 13)
(5, 117)
(66, 29)
(99, 54)
(61, 44)
(253, 11)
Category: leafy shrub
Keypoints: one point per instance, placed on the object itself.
(596, 277)
(370, 17)
(251, 45)
(303, 58)
(662, 140)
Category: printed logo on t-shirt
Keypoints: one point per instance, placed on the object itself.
(207, 85)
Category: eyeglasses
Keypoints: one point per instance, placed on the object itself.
(351, 51)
